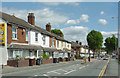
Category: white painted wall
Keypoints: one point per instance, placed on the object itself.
(3, 50)
(40, 41)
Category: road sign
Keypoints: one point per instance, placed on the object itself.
(2, 34)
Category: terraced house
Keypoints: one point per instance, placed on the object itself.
(28, 42)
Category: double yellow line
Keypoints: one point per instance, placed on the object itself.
(103, 70)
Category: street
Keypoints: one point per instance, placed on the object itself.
(72, 68)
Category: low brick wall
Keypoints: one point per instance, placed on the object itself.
(71, 59)
(18, 63)
(47, 61)
(64, 59)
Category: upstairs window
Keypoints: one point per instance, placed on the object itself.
(36, 36)
(68, 45)
(14, 33)
(43, 38)
(26, 35)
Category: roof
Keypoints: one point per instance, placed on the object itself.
(74, 44)
(43, 31)
(15, 20)
(49, 49)
(27, 47)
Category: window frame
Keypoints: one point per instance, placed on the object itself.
(44, 39)
(36, 36)
(15, 33)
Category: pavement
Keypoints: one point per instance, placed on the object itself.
(65, 69)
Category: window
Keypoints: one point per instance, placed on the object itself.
(57, 43)
(10, 53)
(36, 36)
(14, 33)
(26, 35)
(43, 39)
(65, 44)
(53, 41)
(17, 52)
(68, 45)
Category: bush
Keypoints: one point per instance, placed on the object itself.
(46, 56)
(76, 56)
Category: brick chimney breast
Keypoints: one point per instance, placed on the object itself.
(77, 42)
(31, 18)
(48, 27)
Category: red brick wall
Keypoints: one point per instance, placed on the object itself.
(51, 42)
(55, 42)
(18, 63)
(21, 38)
(47, 61)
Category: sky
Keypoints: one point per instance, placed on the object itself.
(74, 19)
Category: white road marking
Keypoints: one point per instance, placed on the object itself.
(64, 70)
(45, 75)
(35, 75)
(70, 72)
(80, 67)
(53, 72)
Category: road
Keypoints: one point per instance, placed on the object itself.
(70, 69)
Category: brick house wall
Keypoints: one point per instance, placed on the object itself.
(21, 38)
(51, 42)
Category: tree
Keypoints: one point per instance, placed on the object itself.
(110, 43)
(95, 40)
(57, 31)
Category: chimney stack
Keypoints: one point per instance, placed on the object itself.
(77, 42)
(48, 27)
(31, 18)
(80, 43)
(60, 34)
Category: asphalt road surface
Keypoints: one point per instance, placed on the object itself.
(68, 69)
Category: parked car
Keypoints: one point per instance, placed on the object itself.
(106, 58)
(98, 58)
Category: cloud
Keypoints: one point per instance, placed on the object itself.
(42, 16)
(58, 3)
(102, 22)
(70, 22)
(83, 18)
(74, 33)
(108, 34)
(102, 12)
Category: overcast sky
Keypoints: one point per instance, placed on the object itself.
(75, 19)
